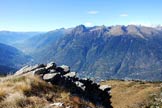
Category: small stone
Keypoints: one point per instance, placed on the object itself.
(161, 100)
(80, 85)
(57, 104)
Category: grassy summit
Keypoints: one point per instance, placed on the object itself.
(32, 92)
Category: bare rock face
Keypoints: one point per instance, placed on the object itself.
(61, 76)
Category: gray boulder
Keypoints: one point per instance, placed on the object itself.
(71, 74)
(105, 87)
(49, 76)
(65, 68)
(51, 65)
(27, 69)
(39, 71)
(23, 70)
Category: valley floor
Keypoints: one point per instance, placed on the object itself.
(132, 94)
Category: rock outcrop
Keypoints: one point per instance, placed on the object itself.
(61, 76)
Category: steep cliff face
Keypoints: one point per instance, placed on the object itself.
(107, 52)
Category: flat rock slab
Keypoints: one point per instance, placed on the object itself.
(49, 76)
(51, 65)
(71, 74)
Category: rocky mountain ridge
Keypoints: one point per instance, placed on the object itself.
(115, 52)
(61, 76)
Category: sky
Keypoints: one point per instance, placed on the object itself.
(46, 15)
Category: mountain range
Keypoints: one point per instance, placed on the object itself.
(11, 59)
(100, 52)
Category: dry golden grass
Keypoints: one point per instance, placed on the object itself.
(32, 92)
(131, 94)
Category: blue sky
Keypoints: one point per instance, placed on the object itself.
(46, 15)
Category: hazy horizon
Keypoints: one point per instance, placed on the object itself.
(47, 15)
(151, 26)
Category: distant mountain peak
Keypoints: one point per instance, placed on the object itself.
(133, 29)
(117, 30)
(80, 28)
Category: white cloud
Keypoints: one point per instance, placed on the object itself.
(123, 15)
(93, 12)
(88, 24)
